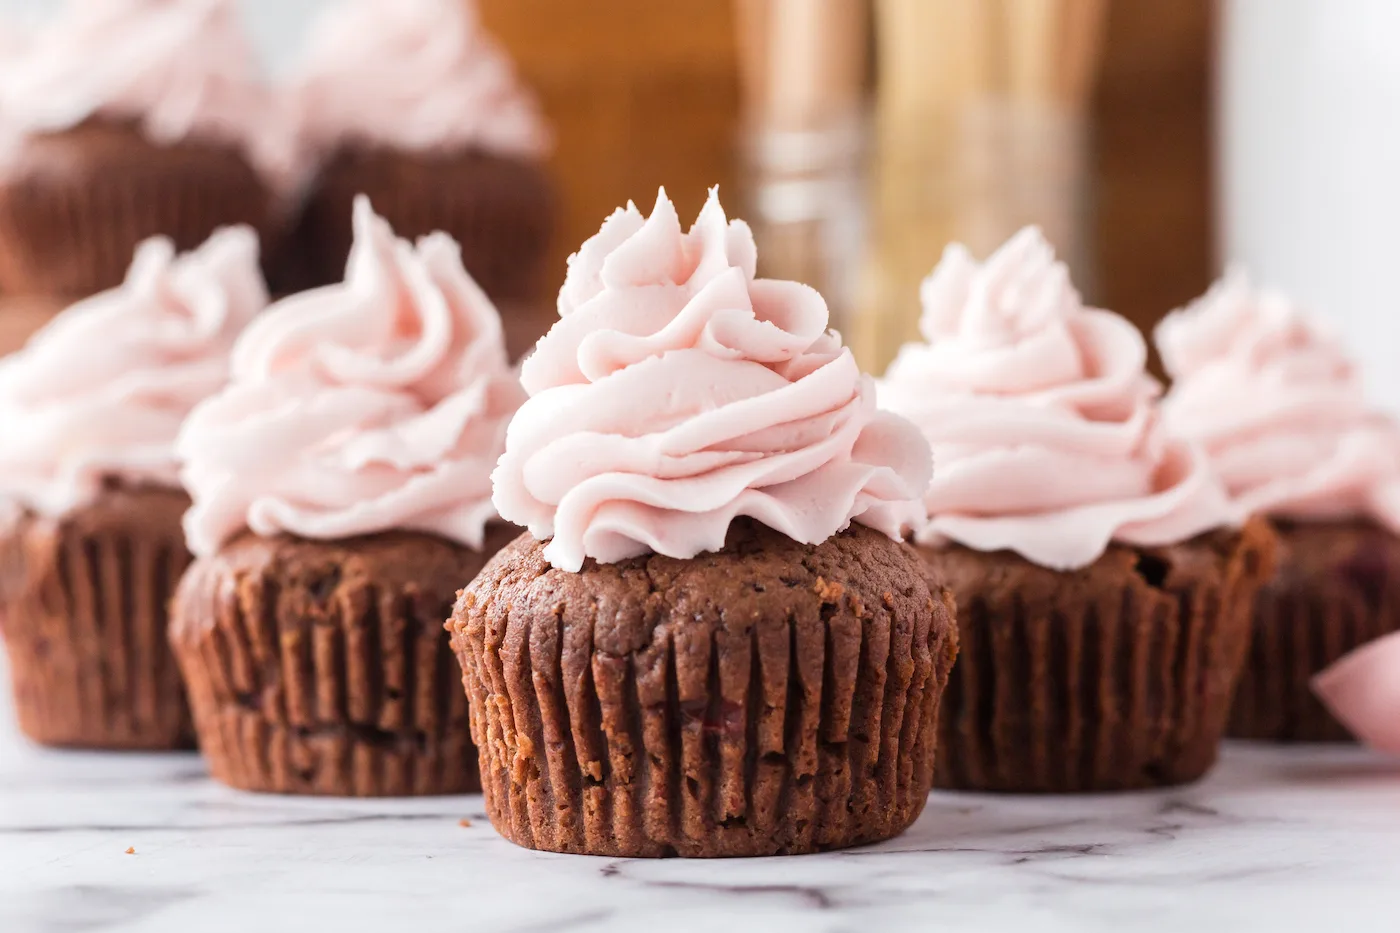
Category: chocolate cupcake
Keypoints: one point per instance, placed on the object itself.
(90, 504)
(694, 652)
(126, 120)
(342, 495)
(1282, 414)
(1103, 607)
(413, 104)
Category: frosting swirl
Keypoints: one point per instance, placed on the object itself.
(678, 392)
(376, 404)
(1279, 408)
(416, 75)
(101, 391)
(181, 70)
(1041, 417)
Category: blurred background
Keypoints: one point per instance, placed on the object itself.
(1154, 141)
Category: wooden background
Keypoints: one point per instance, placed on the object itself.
(1153, 235)
(644, 93)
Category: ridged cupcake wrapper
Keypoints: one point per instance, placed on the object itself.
(75, 235)
(1129, 688)
(791, 737)
(500, 210)
(1324, 602)
(84, 620)
(320, 689)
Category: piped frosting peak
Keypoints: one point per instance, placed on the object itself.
(1042, 417)
(678, 392)
(369, 406)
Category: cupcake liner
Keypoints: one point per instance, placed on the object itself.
(710, 707)
(323, 668)
(500, 210)
(1337, 588)
(74, 205)
(1113, 677)
(83, 609)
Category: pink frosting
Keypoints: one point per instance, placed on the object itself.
(415, 75)
(1279, 408)
(677, 392)
(1363, 691)
(377, 404)
(101, 391)
(1041, 416)
(184, 70)
(12, 42)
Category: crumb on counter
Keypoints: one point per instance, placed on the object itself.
(131, 850)
(464, 822)
(828, 592)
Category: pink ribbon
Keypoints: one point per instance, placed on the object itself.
(1363, 691)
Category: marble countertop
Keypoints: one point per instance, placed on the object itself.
(1274, 840)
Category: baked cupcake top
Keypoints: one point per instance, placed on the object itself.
(1042, 417)
(416, 75)
(677, 392)
(180, 69)
(101, 391)
(376, 404)
(1279, 408)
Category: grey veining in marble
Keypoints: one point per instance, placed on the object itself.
(1275, 840)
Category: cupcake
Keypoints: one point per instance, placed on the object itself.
(126, 119)
(90, 500)
(1281, 412)
(711, 641)
(415, 105)
(1103, 606)
(342, 496)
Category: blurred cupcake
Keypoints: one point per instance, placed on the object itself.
(415, 105)
(1103, 618)
(1282, 414)
(90, 504)
(695, 652)
(342, 496)
(126, 119)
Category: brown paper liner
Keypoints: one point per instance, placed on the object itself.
(771, 698)
(323, 668)
(83, 609)
(1337, 587)
(74, 205)
(1113, 677)
(500, 210)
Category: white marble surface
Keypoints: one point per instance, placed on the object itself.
(1273, 841)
